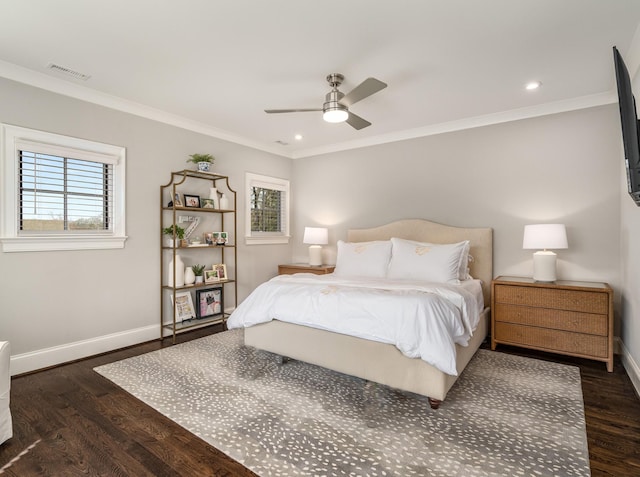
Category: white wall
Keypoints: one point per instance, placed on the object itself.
(561, 168)
(57, 306)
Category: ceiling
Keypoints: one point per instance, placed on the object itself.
(214, 66)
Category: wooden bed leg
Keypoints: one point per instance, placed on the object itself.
(434, 403)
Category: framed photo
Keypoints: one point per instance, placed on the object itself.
(221, 270)
(183, 306)
(220, 238)
(208, 238)
(211, 276)
(191, 200)
(176, 200)
(208, 204)
(209, 302)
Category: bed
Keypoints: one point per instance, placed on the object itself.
(376, 361)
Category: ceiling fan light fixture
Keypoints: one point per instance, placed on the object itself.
(335, 114)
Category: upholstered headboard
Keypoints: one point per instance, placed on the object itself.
(480, 239)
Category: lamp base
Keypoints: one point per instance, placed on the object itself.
(315, 255)
(544, 266)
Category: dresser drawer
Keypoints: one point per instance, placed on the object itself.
(552, 340)
(573, 300)
(588, 323)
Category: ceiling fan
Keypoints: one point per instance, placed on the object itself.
(336, 106)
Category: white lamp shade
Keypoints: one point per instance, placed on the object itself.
(545, 236)
(316, 236)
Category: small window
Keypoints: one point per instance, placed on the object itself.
(267, 209)
(61, 193)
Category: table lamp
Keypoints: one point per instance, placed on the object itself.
(315, 236)
(544, 236)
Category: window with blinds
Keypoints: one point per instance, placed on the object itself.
(267, 209)
(60, 192)
(64, 194)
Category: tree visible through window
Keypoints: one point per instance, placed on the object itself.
(63, 194)
(266, 208)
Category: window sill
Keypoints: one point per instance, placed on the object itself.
(267, 240)
(49, 243)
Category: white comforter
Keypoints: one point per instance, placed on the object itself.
(423, 320)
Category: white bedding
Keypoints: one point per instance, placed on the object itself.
(423, 320)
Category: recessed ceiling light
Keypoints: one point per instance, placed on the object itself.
(533, 85)
(298, 137)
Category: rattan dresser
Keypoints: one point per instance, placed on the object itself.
(566, 317)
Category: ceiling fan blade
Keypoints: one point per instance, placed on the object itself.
(357, 122)
(271, 111)
(363, 90)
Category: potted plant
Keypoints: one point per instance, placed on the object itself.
(198, 271)
(174, 232)
(204, 161)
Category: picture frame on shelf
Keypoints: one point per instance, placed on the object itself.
(210, 302)
(192, 201)
(208, 203)
(183, 306)
(221, 271)
(220, 238)
(208, 238)
(211, 276)
(176, 201)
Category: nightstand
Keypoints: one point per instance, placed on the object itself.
(565, 317)
(305, 268)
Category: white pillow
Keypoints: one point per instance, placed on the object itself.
(363, 259)
(441, 263)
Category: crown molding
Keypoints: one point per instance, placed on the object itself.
(67, 88)
(46, 82)
(582, 102)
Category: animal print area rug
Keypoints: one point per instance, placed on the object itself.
(505, 416)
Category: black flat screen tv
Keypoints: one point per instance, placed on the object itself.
(630, 126)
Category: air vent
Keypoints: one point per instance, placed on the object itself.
(68, 72)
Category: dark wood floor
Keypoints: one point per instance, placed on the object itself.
(70, 421)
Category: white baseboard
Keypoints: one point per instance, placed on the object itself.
(43, 358)
(632, 368)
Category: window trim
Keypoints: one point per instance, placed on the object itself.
(12, 138)
(267, 182)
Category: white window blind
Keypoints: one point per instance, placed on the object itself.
(64, 194)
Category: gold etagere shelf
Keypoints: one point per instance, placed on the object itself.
(194, 183)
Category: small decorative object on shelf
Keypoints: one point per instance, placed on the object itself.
(184, 306)
(179, 234)
(189, 276)
(213, 195)
(198, 271)
(204, 161)
(224, 202)
(209, 302)
(211, 276)
(176, 267)
(221, 238)
(221, 270)
(192, 201)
